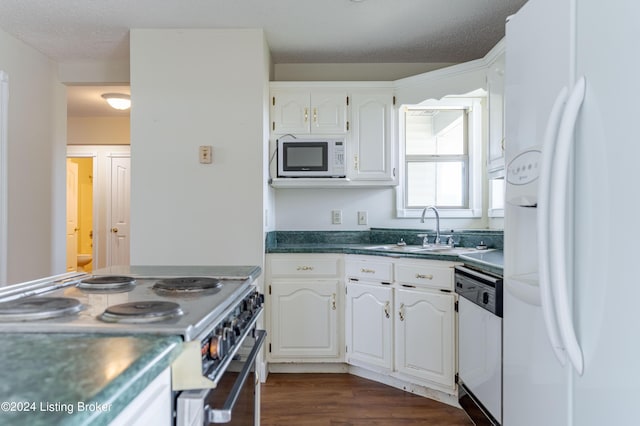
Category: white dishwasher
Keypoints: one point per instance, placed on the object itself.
(480, 344)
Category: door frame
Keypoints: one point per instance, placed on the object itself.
(101, 155)
(4, 186)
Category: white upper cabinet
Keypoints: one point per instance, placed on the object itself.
(371, 147)
(495, 101)
(302, 111)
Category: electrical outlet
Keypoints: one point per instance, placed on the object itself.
(362, 218)
(205, 153)
(336, 217)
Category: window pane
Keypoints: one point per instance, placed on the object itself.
(497, 193)
(435, 183)
(421, 184)
(435, 132)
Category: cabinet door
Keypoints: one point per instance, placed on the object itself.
(425, 336)
(290, 112)
(304, 319)
(372, 148)
(328, 112)
(495, 87)
(369, 324)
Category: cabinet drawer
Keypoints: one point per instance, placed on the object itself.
(428, 275)
(369, 270)
(305, 266)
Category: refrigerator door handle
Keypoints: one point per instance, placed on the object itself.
(544, 187)
(557, 228)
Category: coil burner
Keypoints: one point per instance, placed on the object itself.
(38, 308)
(111, 283)
(187, 285)
(141, 312)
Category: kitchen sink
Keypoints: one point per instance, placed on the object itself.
(396, 248)
(432, 248)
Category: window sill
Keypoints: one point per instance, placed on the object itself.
(444, 213)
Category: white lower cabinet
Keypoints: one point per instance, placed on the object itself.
(369, 324)
(152, 406)
(305, 320)
(305, 308)
(399, 316)
(425, 335)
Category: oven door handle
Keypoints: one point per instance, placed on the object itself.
(223, 415)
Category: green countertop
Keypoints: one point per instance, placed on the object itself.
(72, 379)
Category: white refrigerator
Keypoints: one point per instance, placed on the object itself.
(571, 337)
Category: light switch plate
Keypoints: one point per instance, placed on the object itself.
(206, 154)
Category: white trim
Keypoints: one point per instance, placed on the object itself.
(4, 187)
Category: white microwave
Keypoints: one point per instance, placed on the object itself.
(311, 158)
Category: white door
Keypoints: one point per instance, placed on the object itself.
(369, 324)
(72, 216)
(304, 320)
(118, 250)
(328, 112)
(372, 157)
(290, 112)
(425, 335)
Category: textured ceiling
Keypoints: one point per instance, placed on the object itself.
(297, 31)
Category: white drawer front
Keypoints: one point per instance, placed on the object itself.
(429, 275)
(305, 266)
(369, 270)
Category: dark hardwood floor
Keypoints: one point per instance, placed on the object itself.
(344, 399)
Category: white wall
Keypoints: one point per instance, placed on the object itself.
(198, 87)
(36, 163)
(98, 131)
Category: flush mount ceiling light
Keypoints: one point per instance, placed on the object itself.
(118, 100)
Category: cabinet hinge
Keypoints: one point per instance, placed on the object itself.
(273, 100)
(347, 101)
(455, 306)
(273, 125)
(347, 126)
(346, 349)
(394, 100)
(456, 378)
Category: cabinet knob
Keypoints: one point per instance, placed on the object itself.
(114, 230)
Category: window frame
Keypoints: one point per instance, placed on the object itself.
(473, 171)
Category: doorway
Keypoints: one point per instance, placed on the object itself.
(80, 171)
(103, 216)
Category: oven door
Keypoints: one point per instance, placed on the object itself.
(235, 400)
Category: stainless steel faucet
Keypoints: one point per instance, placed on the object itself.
(437, 221)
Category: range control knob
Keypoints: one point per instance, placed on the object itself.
(216, 347)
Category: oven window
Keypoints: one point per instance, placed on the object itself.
(305, 156)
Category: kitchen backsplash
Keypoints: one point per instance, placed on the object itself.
(464, 238)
